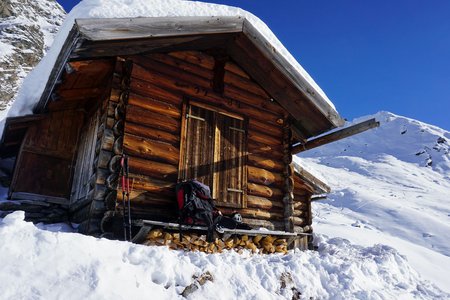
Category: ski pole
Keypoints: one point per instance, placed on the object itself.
(122, 171)
(127, 170)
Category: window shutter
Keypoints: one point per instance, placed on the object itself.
(230, 159)
(215, 154)
(199, 148)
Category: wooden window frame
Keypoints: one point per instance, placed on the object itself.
(183, 151)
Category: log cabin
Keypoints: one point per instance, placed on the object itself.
(208, 98)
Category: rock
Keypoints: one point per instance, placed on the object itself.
(441, 140)
(287, 286)
(198, 282)
(27, 30)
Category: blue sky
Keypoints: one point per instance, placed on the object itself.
(367, 55)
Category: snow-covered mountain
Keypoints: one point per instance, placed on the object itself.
(27, 28)
(391, 185)
(382, 234)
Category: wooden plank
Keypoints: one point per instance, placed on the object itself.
(195, 57)
(299, 221)
(137, 115)
(150, 149)
(264, 150)
(127, 47)
(186, 66)
(246, 84)
(139, 28)
(265, 162)
(263, 191)
(151, 168)
(80, 93)
(275, 214)
(204, 94)
(37, 197)
(264, 177)
(149, 199)
(235, 69)
(268, 224)
(260, 137)
(299, 205)
(147, 89)
(149, 184)
(267, 128)
(192, 76)
(336, 135)
(153, 105)
(155, 67)
(152, 133)
(263, 203)
(247, 97)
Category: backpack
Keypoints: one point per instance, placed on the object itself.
(195, 206)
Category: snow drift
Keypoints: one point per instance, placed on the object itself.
(40, 264)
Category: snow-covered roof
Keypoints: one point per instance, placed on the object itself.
(38, 80)
(310, 176)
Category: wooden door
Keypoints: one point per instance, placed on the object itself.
(84, 168)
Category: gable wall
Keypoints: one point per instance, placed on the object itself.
(158, 86)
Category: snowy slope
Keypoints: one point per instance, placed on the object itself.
(27, 29)
(391, 185)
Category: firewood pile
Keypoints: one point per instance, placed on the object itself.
(196, 242)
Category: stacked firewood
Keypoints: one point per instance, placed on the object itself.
(195, 242)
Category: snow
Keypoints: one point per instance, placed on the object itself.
(42, 264)
(36, 80)
(390, 185)
(6, 49)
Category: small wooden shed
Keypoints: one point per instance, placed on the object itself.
(184, 97)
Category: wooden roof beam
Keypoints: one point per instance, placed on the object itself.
(336, 135)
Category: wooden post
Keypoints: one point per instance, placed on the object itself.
(336, 136)
(288, 173)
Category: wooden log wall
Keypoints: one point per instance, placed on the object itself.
(302, 213)
(159, 84)
(48, 152)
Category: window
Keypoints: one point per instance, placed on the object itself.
(214, 152)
